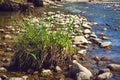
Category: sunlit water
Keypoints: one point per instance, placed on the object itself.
(106, 16)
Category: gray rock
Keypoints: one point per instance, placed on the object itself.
(105, 44)
(16, 78)
(2, 69)
(84, 72)
(104, 76)
(87, 31)
(114, 67)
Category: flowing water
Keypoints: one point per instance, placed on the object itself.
(106, 15)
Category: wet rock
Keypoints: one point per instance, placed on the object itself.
(104, 76)
(82, 52)
(84, 72)
(8, 37)
(16, 78)
(105, 58)
(2, 69)
(87, 31)
(58, 69)
(80, 39)
(105, 44)
(2, 30)
(114, 67)
(46, 72)
(86, 26)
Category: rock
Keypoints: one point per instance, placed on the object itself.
(80, 39)
(105, 44)
(84, 72)
(0, 78)
(114, 67)
(2, 30)
(104, 70)
(58, 69)
(105, 38)
(104, 29)
(2, 69)
(16, 78)
(46, 72)
(96, 41)
(4, 77)
(8, 37)
(51, 13)
(93, 35)
(82, 52)
(96, 58)
(25, 77)
(87, 31)
(102, 34)
(105, 58)
(86, 26)
(105, 76)
(9, 50)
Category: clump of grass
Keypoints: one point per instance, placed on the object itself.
(39, 48)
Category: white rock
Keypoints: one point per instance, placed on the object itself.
(86, 26)
(87, 31)
(46, 72)
(80, 39)
(2, 69)
(105, 44)
(87, 73)
(105, 76)
(114, 67)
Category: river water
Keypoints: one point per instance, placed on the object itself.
(106, 16)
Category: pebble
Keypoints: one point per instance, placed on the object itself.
(105, 76)
(80, 39)
(58, 69)
(82, 52)
(16, 78)
(46, 72)
(87, 31)
(25, 77)
(86, 26)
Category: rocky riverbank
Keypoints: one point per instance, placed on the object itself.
(81, 67)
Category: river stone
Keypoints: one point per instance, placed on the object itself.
(16, 78)
(114, 67)
(104, 76)
(87, 31)
(86, 26)
(80, 39)
(2, 69)
(46, 72)
(82, 52)
(84, 72)
(105, 44)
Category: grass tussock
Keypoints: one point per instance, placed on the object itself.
(38, 47)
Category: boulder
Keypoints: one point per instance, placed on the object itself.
(114, 67)
(84, 72)
(105, 44)
(104, 76)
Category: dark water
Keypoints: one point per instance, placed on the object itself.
(106, 16)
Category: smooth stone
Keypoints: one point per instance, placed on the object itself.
(114, 67)
(80, 39)
(46, 72)
(87, 73)
(87, 31)
(105, 44)
(2, 69)
(105, 76)
(16, 78)
(86, 26)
